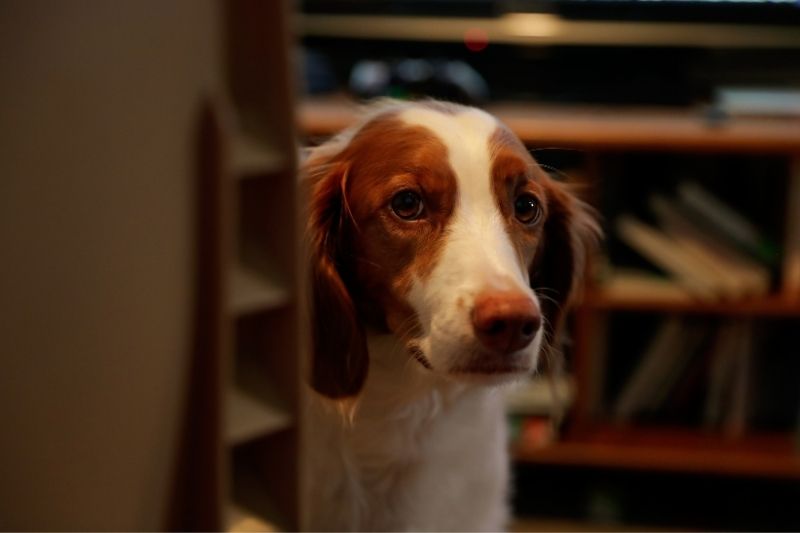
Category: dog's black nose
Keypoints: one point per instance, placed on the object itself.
(505, 322)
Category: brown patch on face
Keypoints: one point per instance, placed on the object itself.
(553, 249)
(514, 172)
(384, 252)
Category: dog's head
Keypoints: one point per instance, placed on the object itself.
(433, 222)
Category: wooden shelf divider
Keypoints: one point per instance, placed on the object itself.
(599, 127)
(240, 520)
(248, 417)
(252, 157)
(251, 292)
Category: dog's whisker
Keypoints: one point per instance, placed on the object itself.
(549, 299)
(558, 172)
(555, 149)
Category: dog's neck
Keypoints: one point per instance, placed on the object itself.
(392, 367)
(381, 446)
(399, 387)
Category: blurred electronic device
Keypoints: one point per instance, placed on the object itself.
(450, 80)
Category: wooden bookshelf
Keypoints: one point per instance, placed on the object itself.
(241, 468)
(260, 460)
(594, 131)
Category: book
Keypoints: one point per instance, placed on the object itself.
(637, 393)
(739, 407)
(693, 335)
(535, 432)
(632, 284)
(707, 247)
(541, 395)
(791, 257)
(721, 375)
(741, 275)
(658, 248)
(536, 407)
(727, 223)
(687, 397)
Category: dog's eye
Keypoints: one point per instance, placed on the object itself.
(407, 205)
(527, 208)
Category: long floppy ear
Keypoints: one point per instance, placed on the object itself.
(570, 231)
(339, 357)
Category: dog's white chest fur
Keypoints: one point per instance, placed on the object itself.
(413, 458)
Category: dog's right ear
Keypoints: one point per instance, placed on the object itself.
(339, 357)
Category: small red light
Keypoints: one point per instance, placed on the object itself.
(476, 39)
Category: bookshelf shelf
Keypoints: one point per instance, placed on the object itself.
(249, 417)
(252, 157)
(252, 503)
(769, 306)
(544, 29)
(599, 128)
(239, 520)
(674, 450)
(251, 292)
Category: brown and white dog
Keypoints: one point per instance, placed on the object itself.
(443, 259)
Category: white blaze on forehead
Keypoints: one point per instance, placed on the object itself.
(466, 135)
(478, 254)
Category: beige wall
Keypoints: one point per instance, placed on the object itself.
(97, 108)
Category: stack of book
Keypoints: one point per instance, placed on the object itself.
(693, 372)
(708, 250)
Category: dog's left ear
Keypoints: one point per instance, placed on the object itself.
(339, 360)
(570, 232)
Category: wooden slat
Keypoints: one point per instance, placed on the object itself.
(239, 520)
(251, 292)
(528, 524)
(673, 450)
(548, 29)
(610, 128)
(248, 418)
(199, 478)
(251, 492)
(791, 247)
(251, 157)
(774, 305)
